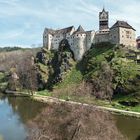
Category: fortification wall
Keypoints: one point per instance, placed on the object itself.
(90, 38)
(49, 43)
(79, 45)
(101, 37)
(114, 36)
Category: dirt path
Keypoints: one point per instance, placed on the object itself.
(47, 99)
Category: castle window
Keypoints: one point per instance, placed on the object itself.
(127, 32)
(127, 36)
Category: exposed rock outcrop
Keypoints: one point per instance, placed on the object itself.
(52, 66)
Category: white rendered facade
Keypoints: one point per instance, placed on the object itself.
(80, 41)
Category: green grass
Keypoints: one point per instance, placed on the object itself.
(1, 75)
(44, 93)
(91, 65)
(128, 98)
(119, 97)
(91, 100)
(72, 77)
(122, 107)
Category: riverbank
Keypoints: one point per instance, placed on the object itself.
(98, 104)
(48, 99)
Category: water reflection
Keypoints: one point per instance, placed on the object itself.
(14, 113)
(10, 126)
(130, 127)
(70, 122)
(26, 108)
(20, 117)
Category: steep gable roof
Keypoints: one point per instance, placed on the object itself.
(80, 29)
(50, 31)
(64, 30)
(103, 11)
(122, 24)
(60, 31)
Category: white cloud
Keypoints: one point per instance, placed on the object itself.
(12, 34)
(24, 21)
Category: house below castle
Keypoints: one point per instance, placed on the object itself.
(138, 42)
(80, 40)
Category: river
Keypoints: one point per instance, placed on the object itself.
(16, 115)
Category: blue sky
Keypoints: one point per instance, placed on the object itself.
(22, 21)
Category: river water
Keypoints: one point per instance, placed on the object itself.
(15, 113)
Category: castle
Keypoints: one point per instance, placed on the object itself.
(80, 40)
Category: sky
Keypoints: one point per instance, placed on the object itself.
(22, 22)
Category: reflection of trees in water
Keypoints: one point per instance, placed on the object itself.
(26, 108)
(138, 138)
(68, 122)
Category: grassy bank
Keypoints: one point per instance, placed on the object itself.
(90, 100)
(109, 70)
(96, 104)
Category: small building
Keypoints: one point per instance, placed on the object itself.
(122, 33)
(138, 42)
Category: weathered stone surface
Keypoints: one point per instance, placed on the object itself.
(52, 66)
(65, 57)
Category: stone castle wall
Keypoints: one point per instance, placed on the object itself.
(80, 45)
(117, 36)
(90, 39)
(127, 37)
(101, 37)
(79, 42)
(114, 35)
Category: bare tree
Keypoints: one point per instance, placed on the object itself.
(73, 122)
(28, 74)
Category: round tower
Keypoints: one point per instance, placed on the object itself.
(79, 39)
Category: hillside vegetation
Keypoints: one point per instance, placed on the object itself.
(106, 72)
(108, 69)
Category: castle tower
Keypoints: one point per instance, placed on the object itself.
(103, 20)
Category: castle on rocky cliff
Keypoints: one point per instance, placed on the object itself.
(80, 40)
